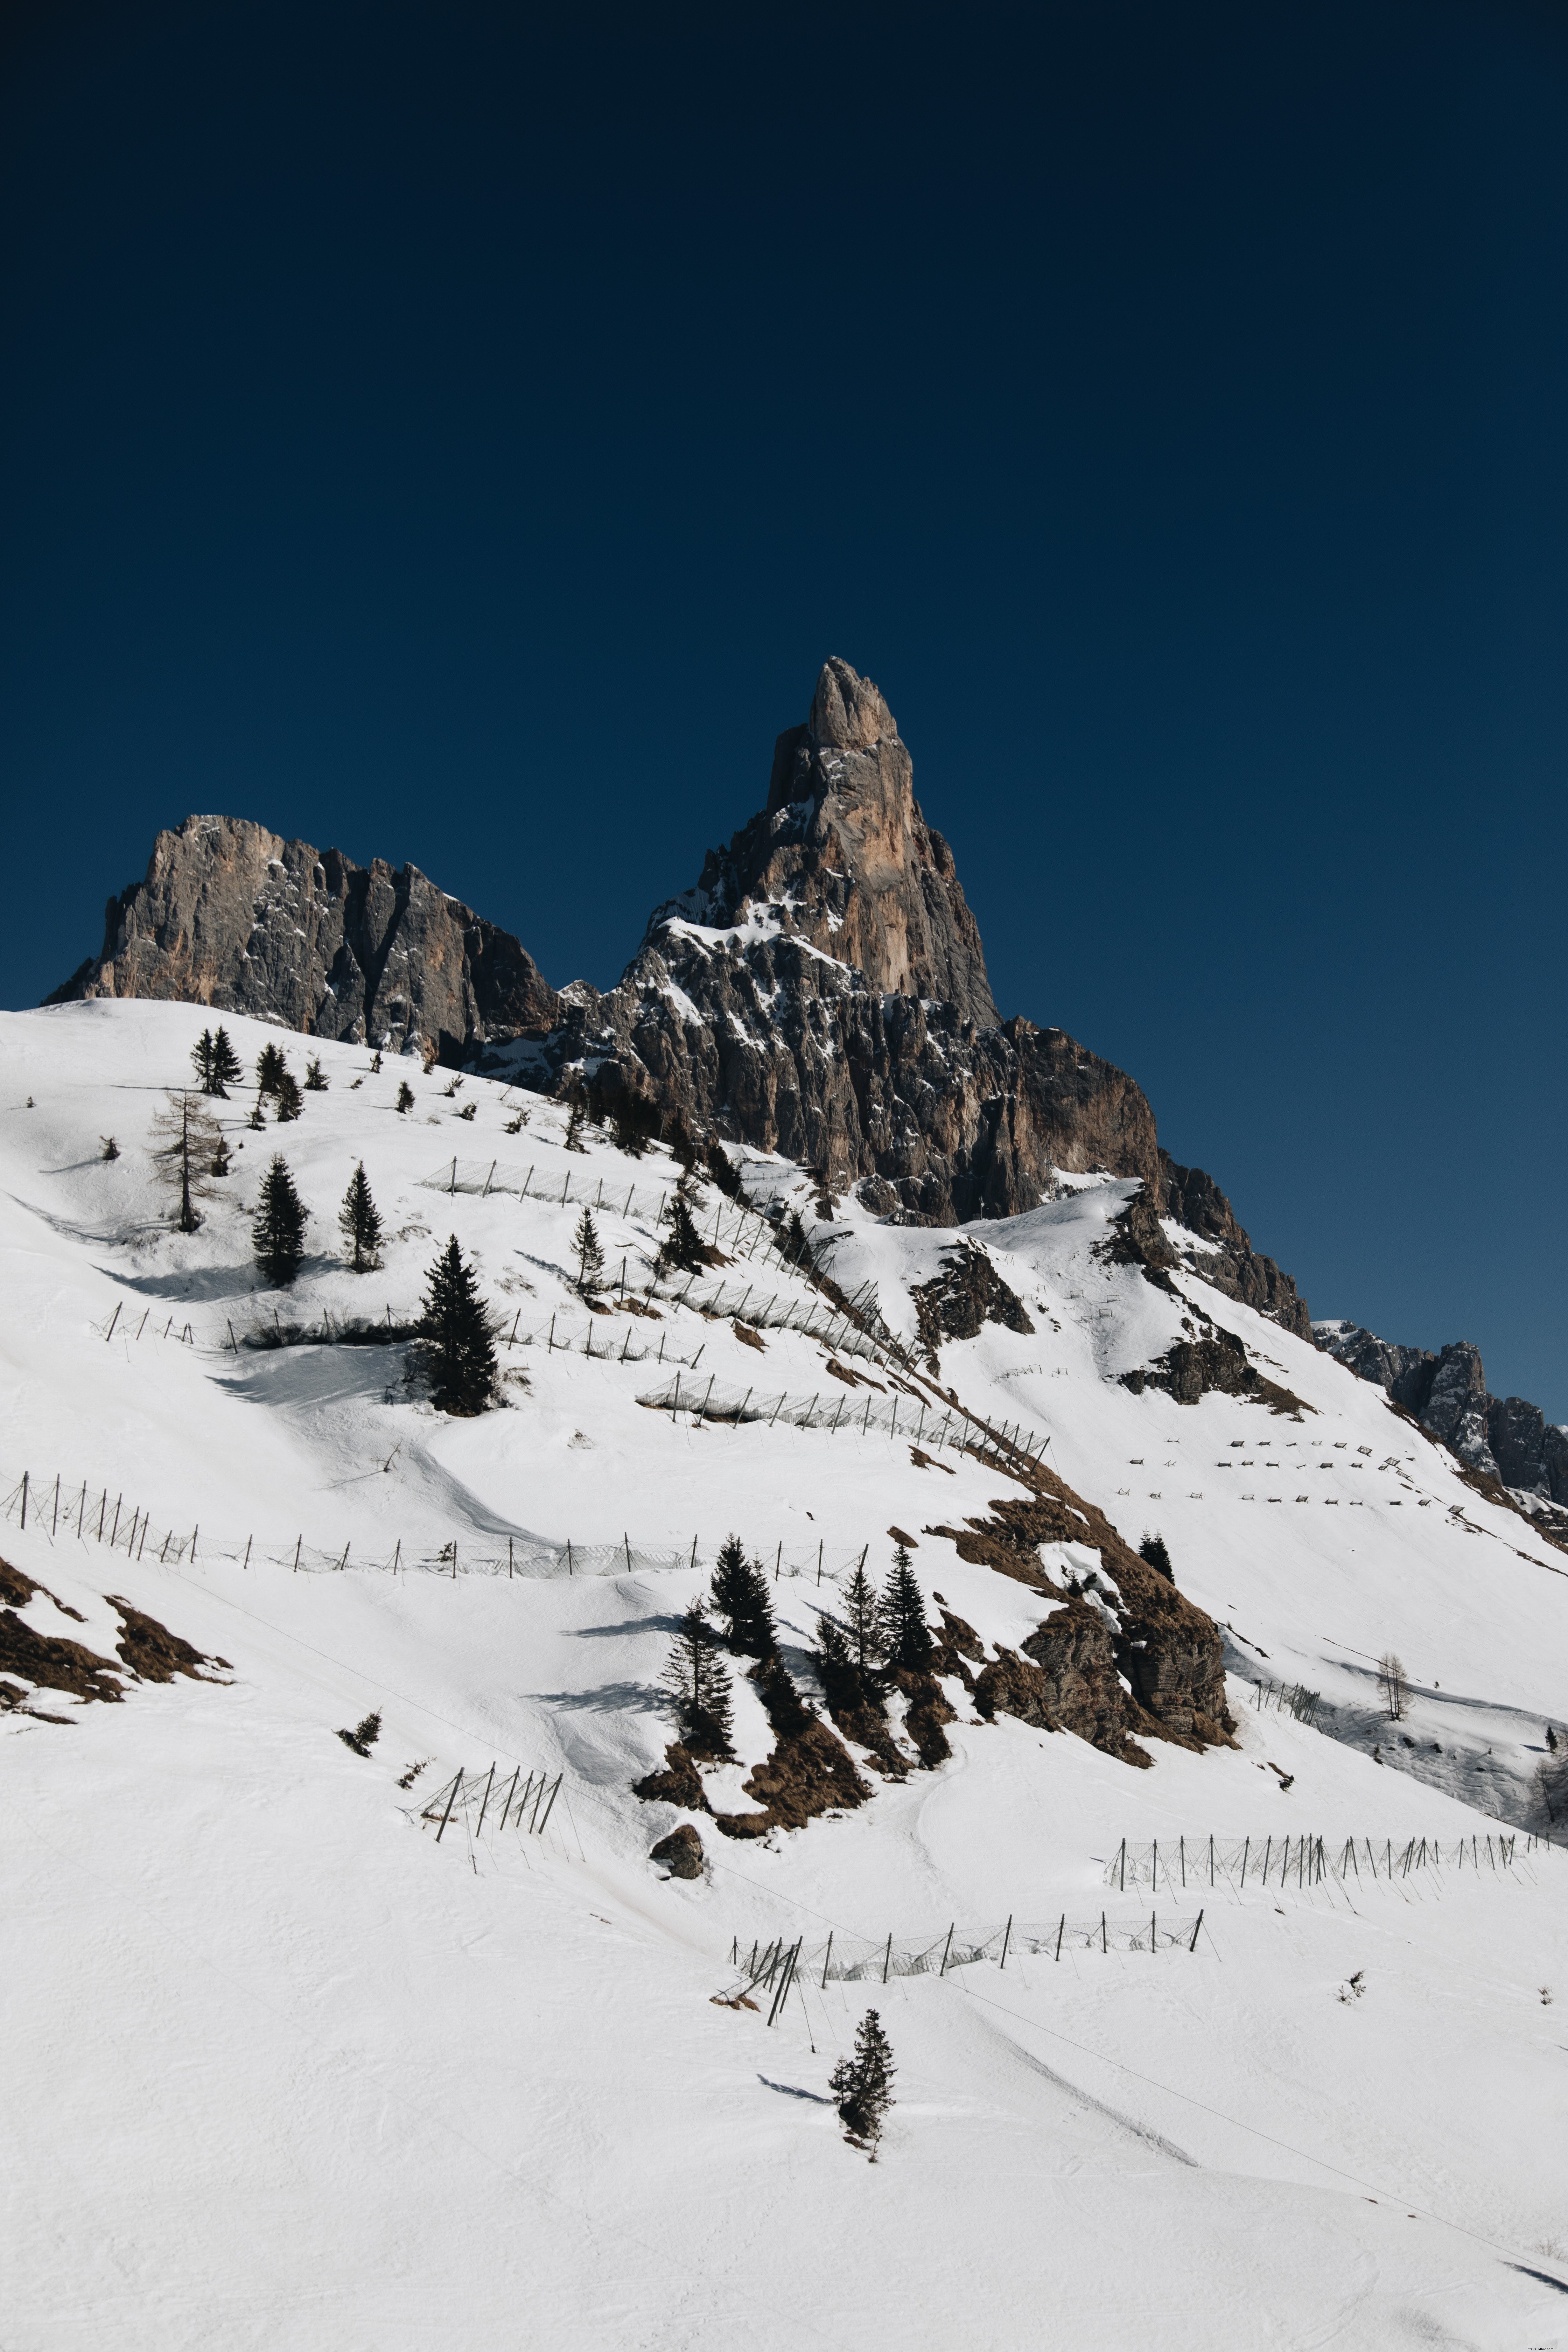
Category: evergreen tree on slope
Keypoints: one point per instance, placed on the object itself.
(278, 1235)
(460, 1347)
(863, 2086)
(907, 1643)
(740, 1597)
(697, 1681)
(359, 1222)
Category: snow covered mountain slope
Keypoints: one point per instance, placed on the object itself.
(288, 2068)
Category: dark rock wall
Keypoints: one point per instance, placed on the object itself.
(232, 916)
(1504, 1438)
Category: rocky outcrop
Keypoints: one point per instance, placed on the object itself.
(1230, 1262)
(963, 1297)
(1127, 1656)
(820, 992)
(232, 916)
(681, 1852)
(1505, 1438)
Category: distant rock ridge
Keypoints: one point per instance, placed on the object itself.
(234, 916)
(820, 992)
(1505, 1438)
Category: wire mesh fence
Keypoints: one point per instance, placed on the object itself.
(86, 1512)
(1287, 1698)
(863, 1960)
(891, 1413)
(1177, 1864)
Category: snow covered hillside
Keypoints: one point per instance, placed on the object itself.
(1255, 2044)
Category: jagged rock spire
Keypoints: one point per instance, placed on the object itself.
(842, 856)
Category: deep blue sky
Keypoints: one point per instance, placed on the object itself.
(458, 433)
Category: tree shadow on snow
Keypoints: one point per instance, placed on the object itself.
(609, 1699)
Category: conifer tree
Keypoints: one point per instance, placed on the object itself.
(405, 1096)
(269, 1067)
(189, 1137)
(575, 1130)
(741, 1597)
(864, 1620)
(204, 1061)
(288, 1097)
(375, 1065)
(796, 1245)
(111, 1149)
(683, 1244)
(226, 1071)
(906, 1642)
(315, 1077)
(255, 1118)
(220, 1161)
(1152, 1550)
(863, 2086)
(843, 1686)
(590, 1256)
(359, 1222)
(278, 1235)
(696, 1679)
(460, 1347)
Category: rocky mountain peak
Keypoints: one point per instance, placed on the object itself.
(842, 856)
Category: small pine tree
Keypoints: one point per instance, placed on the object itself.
(226, 1063)
(683, 1244)
(255, 1118)
(220, 1166)
(269, 1067)
(697, 1681)
(278, 1235)
(741, 1599)
(290, 1102)
(189, 1137)
(204, 1061)
(515, 1126)
(315, 1077)
(864, 1618)
(364, 1735)
(842, 1684)
(460, 1346)
(863, 2086)
(905, 1640)
(359, 1222)
(376, 1066)
(575, 1130)
(1152, 1550)
(111, 1149)
(405, 1096)
(590, 1256)
(796, 1245)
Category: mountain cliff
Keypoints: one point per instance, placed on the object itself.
(232, 915)
(820, 991)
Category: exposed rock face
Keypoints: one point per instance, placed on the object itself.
(842, 858)
(232, 915)
(1196, 1200)
(820, 992)
(1070, 1676)
(1505, 1437)
(965, 1295)
(681, 1853)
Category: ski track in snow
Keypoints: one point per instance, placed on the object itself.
(286, 2072)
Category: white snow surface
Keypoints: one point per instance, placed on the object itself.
(285, 2071)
